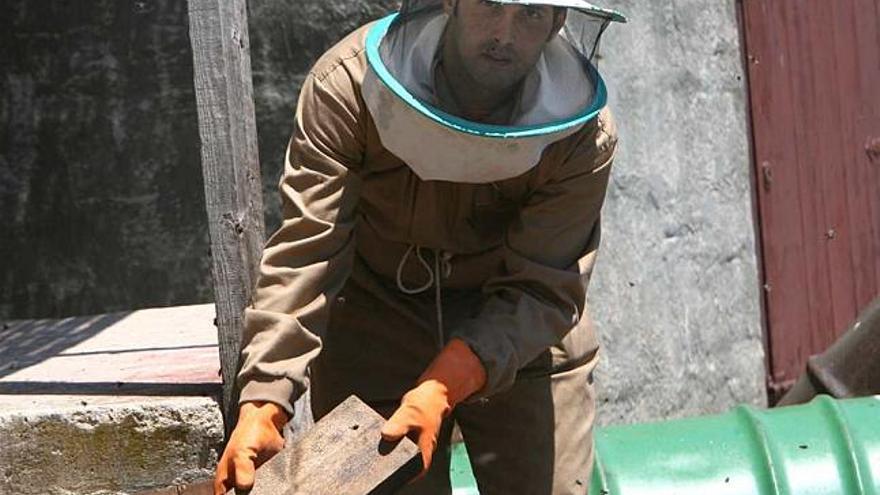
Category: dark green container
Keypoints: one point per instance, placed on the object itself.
(826, 447)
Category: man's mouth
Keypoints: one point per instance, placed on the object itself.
(495, 59)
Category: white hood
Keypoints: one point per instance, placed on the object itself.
(562, 93)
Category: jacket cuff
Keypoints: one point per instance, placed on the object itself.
(497, 357)
(280, 391)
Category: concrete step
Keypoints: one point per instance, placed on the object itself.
(105, 445)
(109, 404)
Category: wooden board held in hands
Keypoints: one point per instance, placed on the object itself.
(342, 454)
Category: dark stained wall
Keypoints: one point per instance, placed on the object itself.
(287, 37)
(101, 195)
(100, 185)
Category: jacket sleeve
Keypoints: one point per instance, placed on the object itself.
(308, 259)
(548, 257)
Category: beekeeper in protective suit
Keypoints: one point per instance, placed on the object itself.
(441, 199)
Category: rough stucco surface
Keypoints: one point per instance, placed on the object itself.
(676, 293)
(100, 181)
(105, 445)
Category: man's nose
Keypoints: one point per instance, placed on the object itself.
(503, 28)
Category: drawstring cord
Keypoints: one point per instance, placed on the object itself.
(442, 268)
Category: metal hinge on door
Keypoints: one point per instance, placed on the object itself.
(872, 149)
(767, 175)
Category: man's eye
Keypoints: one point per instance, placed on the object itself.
(534, 13)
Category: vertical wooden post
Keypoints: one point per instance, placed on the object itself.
(230, 164)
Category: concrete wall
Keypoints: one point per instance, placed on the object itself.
(100, 179)
(99, 171)
(676, 292)
(101, 193)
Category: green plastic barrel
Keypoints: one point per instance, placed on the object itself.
(827, 447)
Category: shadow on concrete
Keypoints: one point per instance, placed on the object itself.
(27, 343)
(24, 343)
(156, 389)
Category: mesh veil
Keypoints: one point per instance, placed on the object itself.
(583, 29)
(569, 63)
(559, 94)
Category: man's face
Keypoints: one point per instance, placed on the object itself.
(499, 44)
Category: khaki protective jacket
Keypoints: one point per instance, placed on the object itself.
(526, 245)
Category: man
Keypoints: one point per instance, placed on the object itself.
(441, 200)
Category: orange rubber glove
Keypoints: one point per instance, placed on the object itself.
(454, 375)
(255, 439)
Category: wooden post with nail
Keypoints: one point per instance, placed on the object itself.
(231, 170)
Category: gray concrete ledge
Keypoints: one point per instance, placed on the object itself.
(105, 445)
(55, 439)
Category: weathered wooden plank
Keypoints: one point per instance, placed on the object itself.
(804, 86)
(200, 488)
(867, 181)
(230, 163)
(852, 112)
(342, 453)
(827, 158)
(778, 202)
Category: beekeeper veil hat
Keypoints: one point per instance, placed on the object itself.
(561, 93)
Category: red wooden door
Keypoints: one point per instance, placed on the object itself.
(814, 82)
